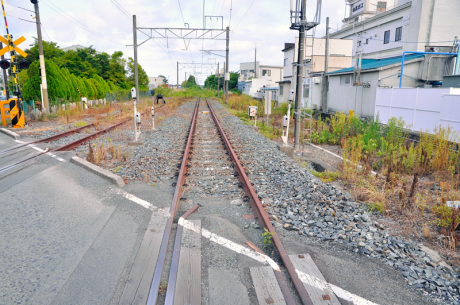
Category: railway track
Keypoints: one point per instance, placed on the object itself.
(66, 147)
(210, 181)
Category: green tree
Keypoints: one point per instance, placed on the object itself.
(142, 75)
(191, 82)
(50, 50)
(90, 92)
(233, 83)
(165, 80)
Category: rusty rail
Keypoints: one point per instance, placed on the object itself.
(169, 300)
(65, 147)
(153, 294)
(262, 216)
(50, 139)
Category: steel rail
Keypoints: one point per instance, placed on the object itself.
(69, 146)
(262, 215)
(49, 139)
(169, 300)
(153, 294)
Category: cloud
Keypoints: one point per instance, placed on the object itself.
(265, 23)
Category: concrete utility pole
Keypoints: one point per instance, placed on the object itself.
(218, 79)
(326, 68)
(299, 84)
(177, 75)
(227, 75)
(255, 62)
(136, 76)
(5, 79)
(42, 59)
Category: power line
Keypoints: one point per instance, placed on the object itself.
(19, 7)
(20, 18)
(71, 19)
(222, 8)
(231, 5)
(244, 15)
(41, 24)
(181, 12)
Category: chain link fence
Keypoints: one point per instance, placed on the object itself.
(124, 96)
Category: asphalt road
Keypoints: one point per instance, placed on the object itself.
(67, 236)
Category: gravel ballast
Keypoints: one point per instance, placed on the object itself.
(300, 202)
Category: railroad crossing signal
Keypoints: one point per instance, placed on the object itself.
(16, 43)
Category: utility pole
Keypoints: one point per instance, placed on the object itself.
(218, 79)
(227, 75)
(5, 79)
(185, 80)
(299, 84)
(42, 58)
(177, 75)
(326, 68)
(136, 80)
(255, 62)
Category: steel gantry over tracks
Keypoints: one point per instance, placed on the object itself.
(183, 34)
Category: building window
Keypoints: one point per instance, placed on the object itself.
(367, 41)
(345, 79)
(281, 89)
(285, 62)
(267, 72)
(386, 38)
(306, 91)
(398, 35)
(359, 43)
(381, 6)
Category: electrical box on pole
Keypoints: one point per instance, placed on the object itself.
(133, 93)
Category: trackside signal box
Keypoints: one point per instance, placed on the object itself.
(252, 111)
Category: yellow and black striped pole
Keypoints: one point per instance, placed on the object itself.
(16, 112)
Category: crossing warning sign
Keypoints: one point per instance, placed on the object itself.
(16, 43)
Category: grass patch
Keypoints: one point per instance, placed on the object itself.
(80, 124)
(326, 176)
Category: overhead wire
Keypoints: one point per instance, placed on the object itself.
(79, 24)
(20, 18)
(19, 7)
(244, 15)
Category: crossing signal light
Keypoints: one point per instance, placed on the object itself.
(4, 64)
(34, 1)
(24, 64)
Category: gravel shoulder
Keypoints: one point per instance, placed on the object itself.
(353, 248)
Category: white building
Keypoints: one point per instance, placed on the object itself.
(275, 73)
(77, 47)
(382, 32)
(340, 54)
(155, 82)
(388, 28)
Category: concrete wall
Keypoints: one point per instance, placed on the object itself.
(284, 97)
(289, 55)
(423, 109)
(342, 98)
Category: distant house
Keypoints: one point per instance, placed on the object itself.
(340, 54)
(254, 77)
(155, 82)
(76, 47)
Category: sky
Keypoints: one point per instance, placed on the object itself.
(107, 25)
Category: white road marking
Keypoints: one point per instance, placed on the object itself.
(339, 292)
(230, 244)
(41, 150)
(308, 279)
(137, 200)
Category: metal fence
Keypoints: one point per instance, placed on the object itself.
(124, 96)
